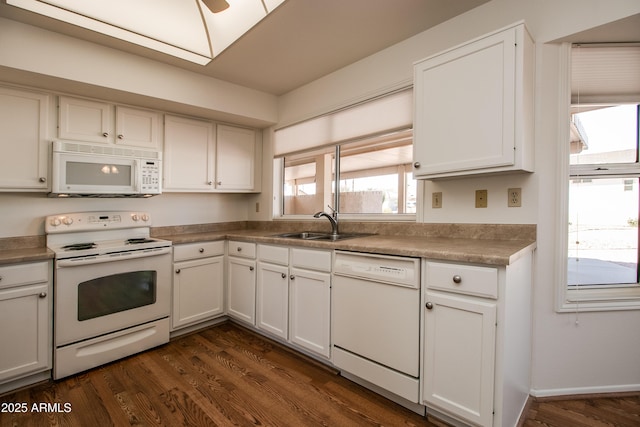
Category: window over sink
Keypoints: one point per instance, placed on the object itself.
(375, 178)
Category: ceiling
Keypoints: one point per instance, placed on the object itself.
(300, 41)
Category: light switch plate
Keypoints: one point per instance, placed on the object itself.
(436, 200)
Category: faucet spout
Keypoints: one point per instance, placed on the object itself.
(332, 220)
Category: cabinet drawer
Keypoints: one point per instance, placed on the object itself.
(198, 250)
(273, 254)
(465, 279)
(242, 249)
(311, 259)
(24, 274)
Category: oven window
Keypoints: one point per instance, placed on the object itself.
(115, 293)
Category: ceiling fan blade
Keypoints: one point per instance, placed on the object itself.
(216, 6)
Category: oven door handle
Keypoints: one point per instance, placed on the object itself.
(116, 256)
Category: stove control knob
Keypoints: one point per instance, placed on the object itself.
(135, 217)
(67, 220)
(55, 222)
(145, 217)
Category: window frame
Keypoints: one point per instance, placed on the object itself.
(278, 183)
(580, 300)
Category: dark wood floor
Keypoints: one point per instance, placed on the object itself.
(230, 376)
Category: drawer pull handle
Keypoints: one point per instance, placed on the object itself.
(42, 295)
(429, 305)
(284, 276)
(457, 279)
(201, 250)
(177, 271)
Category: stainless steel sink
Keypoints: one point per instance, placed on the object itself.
(312, 235)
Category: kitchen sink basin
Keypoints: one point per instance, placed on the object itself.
(313, 235)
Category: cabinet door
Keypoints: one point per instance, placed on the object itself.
(138, 128)
(464, 107)
(459, 356)
(84, 120)
(25, 332)
(272, 302)
(188, 154)
(23, 119)
(235, 158)
(241, 291)
(198, 289)
(310, 298)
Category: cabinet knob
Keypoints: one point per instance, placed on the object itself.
(120, 136)
(429, 305)
(0, 278)
(284, 276)
(105, 134)
(177, 271)
(239, 249)
(416, 165)
(42, 294)
(292, 277)
(42, 179)
(201, 250)
(250, 268)
(457, 279)
(219, 182)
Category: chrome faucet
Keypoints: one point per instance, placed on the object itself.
(333, 219)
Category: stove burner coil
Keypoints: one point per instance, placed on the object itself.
(137, 240)
(79, 246)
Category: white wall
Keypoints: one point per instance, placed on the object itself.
(599, 352)
(23, 214)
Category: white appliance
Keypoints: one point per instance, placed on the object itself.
(112, 288)
(84, 170)
(376, 323)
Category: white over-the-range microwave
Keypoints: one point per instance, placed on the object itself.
(86, 170)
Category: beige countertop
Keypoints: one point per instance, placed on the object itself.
(478, 243)
(480, 251)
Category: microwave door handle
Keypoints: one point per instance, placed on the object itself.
(136, 173)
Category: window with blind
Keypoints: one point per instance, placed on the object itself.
(602, 193)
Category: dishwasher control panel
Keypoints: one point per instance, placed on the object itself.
(389, 269)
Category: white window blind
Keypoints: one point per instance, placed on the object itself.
(388, 113)
(605, 73)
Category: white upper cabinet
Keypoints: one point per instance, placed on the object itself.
(200, 156)
(93, 121)
(474, 107)
(24, 122)
(189, 148)
(139, 128)
(236, 150)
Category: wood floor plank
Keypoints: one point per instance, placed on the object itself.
(228, 375)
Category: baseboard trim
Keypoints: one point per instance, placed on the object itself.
(582, 392)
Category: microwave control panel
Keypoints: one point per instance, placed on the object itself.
(150, 176)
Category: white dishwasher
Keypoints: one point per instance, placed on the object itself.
(376, 320)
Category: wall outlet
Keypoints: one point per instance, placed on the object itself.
(436, 200)
(514, 197)
(481, 198)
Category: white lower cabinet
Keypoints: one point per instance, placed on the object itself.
(26, 317)
(477, 341)
(198, 283)
(273, 295)
(241, 281)
(294, 296)
(310, 309)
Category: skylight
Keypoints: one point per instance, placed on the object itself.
(186, 29)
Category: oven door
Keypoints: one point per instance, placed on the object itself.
(106, 293)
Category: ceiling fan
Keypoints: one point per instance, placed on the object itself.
(216, 6)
